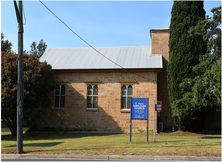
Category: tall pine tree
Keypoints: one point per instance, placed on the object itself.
(184, 49)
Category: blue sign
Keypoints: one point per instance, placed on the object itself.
(139, 108)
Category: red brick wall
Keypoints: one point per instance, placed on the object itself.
(109, 115)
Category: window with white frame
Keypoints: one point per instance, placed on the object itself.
(60, 96)
(126, 96)
(92, 96)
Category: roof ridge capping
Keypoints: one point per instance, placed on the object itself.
(100, 47)
(164, 28)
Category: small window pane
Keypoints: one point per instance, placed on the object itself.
(130, 90)
(129, 102)
(123, 93)
(95, 102)
(123, 102)
(56, 101)
(95, 90)
(123, 90)
(57, 90)
(89, 101)
(63, 90)
(62, 102)
(89, 90)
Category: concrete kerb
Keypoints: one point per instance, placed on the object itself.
(54, 156)
(169, 158)
(108, 157)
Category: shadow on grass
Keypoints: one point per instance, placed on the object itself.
(65, 150)
(171, 141)
(53, 136)
(48, 144)
(211, 137)
(190, 133)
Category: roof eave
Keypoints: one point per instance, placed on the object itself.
(125, 69)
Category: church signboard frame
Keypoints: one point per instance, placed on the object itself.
(139, 111)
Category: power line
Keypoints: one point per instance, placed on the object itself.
(90, 44)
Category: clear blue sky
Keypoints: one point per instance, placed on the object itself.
(100, 23)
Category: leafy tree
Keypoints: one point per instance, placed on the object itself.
(5, 44)
(202, 92)
(38, 50)
(38, 82)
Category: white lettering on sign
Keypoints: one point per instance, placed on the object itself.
(139, 106)
(139, 113)
(158, 107)
(139, 110)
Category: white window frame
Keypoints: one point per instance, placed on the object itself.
(126, 96)
(92, 95)
(60, 96)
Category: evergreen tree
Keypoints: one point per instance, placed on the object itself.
(184, 49)
(203, 92)
(6, 46)
(38, 50)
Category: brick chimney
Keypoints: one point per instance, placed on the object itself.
(160, 40)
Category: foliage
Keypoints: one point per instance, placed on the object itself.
(38, 82)
(38, 50)
(202, 92)
(140, 130)
(184, 50)
(6, 46)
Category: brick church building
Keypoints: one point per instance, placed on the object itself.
(95, 93)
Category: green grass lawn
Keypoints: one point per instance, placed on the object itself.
(177, 143)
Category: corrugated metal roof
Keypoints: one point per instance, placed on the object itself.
(135, 57)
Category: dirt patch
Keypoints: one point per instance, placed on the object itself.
(181, 133)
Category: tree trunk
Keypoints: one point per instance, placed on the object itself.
(12, 126)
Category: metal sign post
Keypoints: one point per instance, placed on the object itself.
(147, 129)
(130, 122)
(154, 128)
(139, 111)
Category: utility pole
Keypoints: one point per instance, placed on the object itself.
(19, 15)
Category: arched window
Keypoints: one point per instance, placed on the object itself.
(92, 96)
(126, 96)
(60, 96)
